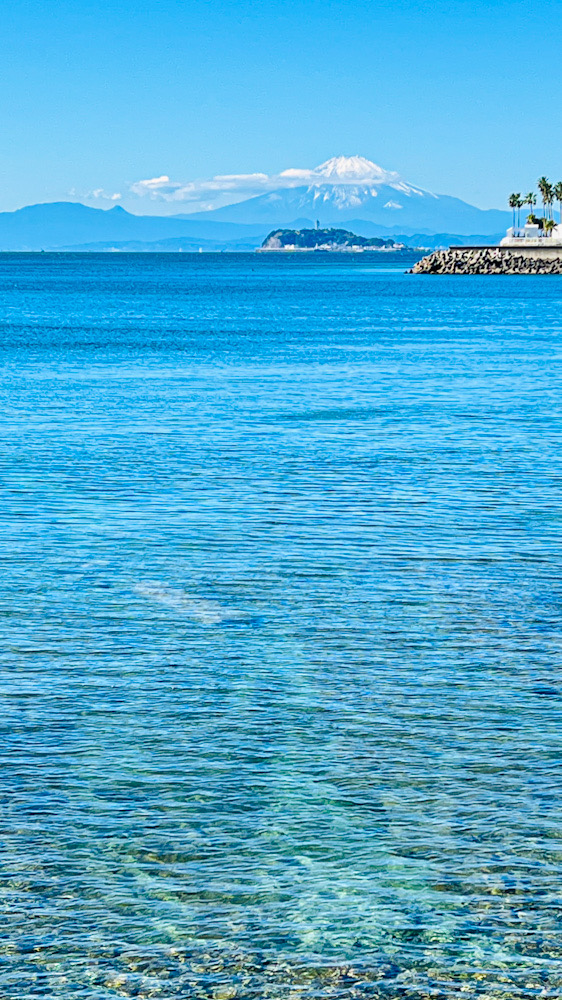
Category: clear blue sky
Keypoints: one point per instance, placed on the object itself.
(460, 97)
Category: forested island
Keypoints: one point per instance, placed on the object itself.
(325, 239)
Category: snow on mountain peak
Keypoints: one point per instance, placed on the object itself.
(350, 169)
(346, 172)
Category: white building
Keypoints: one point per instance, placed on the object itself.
(531, 235)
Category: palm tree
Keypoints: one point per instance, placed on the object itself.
(544, 188)
(531, 200)
(513, 204)
(549, 226)
(549, 199)
(558, 196)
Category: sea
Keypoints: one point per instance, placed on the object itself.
(281, 629)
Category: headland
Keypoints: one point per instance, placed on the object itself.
(331, 240)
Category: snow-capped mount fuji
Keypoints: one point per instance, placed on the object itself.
(350, 181)
(353, 171)
(354, 188)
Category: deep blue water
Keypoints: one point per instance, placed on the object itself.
(281, 621)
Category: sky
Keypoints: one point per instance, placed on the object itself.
(99, 98)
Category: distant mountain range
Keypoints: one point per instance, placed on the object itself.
(352, 190)
(69, 226)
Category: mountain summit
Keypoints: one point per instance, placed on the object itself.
(350, 170)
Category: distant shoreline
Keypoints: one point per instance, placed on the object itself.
(207, 253)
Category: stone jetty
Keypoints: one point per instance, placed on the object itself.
(490, 260)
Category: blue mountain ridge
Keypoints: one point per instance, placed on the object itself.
(63, 225)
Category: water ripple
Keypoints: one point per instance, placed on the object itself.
(281, 613)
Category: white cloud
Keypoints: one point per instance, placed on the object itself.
(100, 193)
(155, 187)
(97, 193)
(163, 189)
(295, 176)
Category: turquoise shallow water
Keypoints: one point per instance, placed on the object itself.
(281, 623)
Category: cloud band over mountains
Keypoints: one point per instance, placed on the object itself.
(225, 188)
(164, 189)
(343, 176)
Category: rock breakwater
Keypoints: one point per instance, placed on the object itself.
(486, 260)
